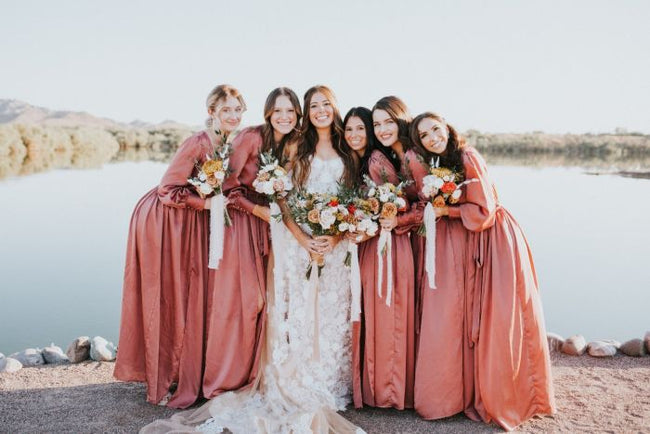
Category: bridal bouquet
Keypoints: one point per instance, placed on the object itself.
(273, 181)
(387, 200)
(322, 214)
(442, 185)
(211, 174)
(208, 182)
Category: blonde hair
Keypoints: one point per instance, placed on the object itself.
(220, 93)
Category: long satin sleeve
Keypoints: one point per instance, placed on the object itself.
(173, 190)
(479, 205)
(245, 147)
(413, 218)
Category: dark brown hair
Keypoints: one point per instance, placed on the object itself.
(452, 157)
(399, 112)
(309, 139)
(268, 141)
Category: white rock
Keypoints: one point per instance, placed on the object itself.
(101, 350)
(79, 349)
(574, 345)
(555, 342)
(603, 348)
(54, 354)
(29, 357)
(8, 364)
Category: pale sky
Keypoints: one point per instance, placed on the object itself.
(499, 66)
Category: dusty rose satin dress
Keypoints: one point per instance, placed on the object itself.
(383, 344)
(444, 369)
(165, 283)
(503, 323)
(236, 300)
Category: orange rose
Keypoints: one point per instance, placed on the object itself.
(374, 205)
(313, 216)
(439, 201)
(448, 187)
(212, 180)
(389, 210)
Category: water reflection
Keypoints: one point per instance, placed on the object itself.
(64, 235)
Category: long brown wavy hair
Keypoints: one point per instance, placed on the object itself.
(309, 139)
(452, 157)
(399, 112)
(268, 141)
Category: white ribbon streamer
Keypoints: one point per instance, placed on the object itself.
(385, 243)
(430, 245)
(312, 307)
(355, 282)
(217, 224)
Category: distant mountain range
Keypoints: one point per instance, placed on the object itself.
(14, 111)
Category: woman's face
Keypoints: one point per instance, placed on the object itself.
(228, 112)
(386, 129)
(356, 134)
(283, 118)
(433, 135)
(321, 111)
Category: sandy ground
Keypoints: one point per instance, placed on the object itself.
(593, 395)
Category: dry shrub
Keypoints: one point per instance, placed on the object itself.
(12, 151)
(92, 147)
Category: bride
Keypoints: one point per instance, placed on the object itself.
(306, 368)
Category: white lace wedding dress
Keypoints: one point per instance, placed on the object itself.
(306, 367)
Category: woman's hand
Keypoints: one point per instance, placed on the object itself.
(356, 237)
(388, 224)
(328, 241)
(441, 211)
(312, 245)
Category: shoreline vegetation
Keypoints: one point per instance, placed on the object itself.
(28, 149)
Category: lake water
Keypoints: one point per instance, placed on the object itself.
(63, 235)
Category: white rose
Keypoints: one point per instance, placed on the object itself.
(456, 194)
(344, 227)
(205, 188)
(202, 176)
(437, 183)
(327, 219)
(384, 197)
(267, 187)
(220, 175)
(400, 202)
(371, 192)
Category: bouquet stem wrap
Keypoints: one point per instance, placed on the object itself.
(384, 249)
(355, 282)
(430, 258)
(217, 224)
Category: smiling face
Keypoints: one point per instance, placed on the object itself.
(284, 117)
(229, 113)
(386, 129)
(434, 135)
(321, 111)
(356, 135)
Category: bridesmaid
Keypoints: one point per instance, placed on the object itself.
(502, 318)
(236, 300)
(384, 377)
(444, 370)
(166, 273)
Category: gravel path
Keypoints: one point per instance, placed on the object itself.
(593, 395)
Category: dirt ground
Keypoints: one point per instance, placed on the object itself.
(593, 395)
